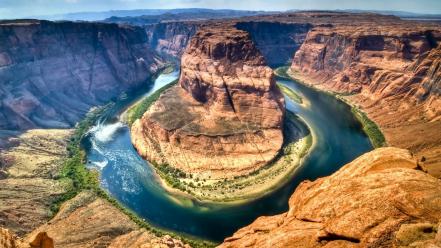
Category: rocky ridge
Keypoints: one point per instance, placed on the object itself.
(88, 221)
(225, 115)
(380, 199)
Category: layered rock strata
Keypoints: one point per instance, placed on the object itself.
(277, 41)
(52, 73)
(393, 73)
(381, 199)
(171, 38)
(225, 115)
(88, 221)
(28, 178)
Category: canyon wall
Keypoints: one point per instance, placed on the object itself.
(171, 38)
(52, 73)
(277, 41)
(392, 71)
(225, 115)
(380, 199)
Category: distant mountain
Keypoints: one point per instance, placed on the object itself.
(198, 14)
(187, 13)
(401, 14)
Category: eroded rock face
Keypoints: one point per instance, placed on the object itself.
(277, 41)
(28, 184)
(7, 239)
(225, 115)
(380, 199)
(393, 72)
(142, 238)
(349, 60)
(52, 73)
(170, 39)
(90, 221)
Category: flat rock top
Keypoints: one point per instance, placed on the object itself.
(225, 42)
(175, 109)
(224, 82)
(364, 204)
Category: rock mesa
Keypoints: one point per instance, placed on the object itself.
(225, 114)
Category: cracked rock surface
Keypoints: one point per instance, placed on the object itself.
(380, 199)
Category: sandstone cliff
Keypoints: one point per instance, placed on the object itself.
(277, 41)
(171, 38)
(225, 115)
(51, 73)
(392, 72)
(380, 199)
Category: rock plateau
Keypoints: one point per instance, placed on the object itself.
(225, 116)
(380, 199)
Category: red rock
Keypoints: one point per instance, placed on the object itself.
(224, 118)
(364, 204)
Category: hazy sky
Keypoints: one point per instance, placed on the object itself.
(24, 8)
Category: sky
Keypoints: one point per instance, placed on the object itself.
(25, 8)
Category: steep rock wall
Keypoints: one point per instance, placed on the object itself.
(225, 116)
(392, 73)
(277, 41)
(170, 39)
(51, 73)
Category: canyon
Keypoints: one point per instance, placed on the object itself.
(224, 118)
(53, 73)
(389, 70)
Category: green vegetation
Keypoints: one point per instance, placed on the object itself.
(282, 72)
(297, 143)
(171, 175)
(136, 111)
(290, 93)
(370, 128)
(168, 69)
(79, 178)
(73, 170)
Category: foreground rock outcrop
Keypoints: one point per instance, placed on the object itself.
(52, 73)
(7, 239)
(225, 115)
(88, 221)
(381, 199)
(30, 166)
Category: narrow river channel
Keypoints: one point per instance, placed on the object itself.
(338, 138)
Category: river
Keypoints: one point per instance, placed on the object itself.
(338, 139)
